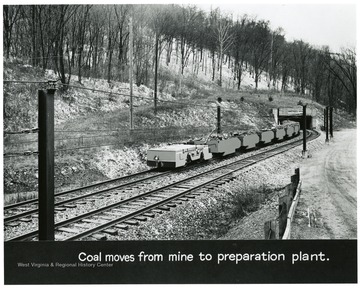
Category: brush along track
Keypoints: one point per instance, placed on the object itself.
(131, 211)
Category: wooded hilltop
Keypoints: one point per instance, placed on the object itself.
(93, 41)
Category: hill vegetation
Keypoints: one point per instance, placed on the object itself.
(94, 41)
(86, 47)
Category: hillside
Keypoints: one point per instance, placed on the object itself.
(87, 122)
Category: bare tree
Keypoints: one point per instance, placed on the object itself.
(260, 47)
(11, 16)
(224, 39)
(343, 67)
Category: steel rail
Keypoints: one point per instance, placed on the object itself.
(35, 201)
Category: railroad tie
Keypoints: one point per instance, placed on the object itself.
(68, 230)
(60, 209)
(164, 208)
(92, 221)
(140, 218)
(70, 206)
(157, 211)
(178, 202)
(131, 222)
(13, 224)
(122, 226)
(115, 214)
(25, 220)
(105, 218)
(83, 226)
(171, 205)
(111, 232)
(195, 193)
(99, 237)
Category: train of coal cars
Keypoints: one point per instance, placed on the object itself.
(180, 155)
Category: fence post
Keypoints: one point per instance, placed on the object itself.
(297, 172)
(271, 231)
(46, 164)
(295, 180)
(282, 216)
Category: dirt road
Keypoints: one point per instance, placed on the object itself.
(327, 208)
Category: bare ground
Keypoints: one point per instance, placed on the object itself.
(327, 208)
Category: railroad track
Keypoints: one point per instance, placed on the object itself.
(67, 198)
(120, 215)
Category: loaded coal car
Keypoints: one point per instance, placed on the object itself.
(292, 129)
(177, 155)
(249, 140)
(223, 146)
(266, 137)
(279, 133)
(296, 128)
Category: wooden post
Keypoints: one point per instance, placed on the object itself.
(331, 121)
(278, 116)
(271, 231)
(327, 124)
(304, 129)
(219, 116)
(131, 71)
(46, 165)
(294, 182)
(156, 71)
(297, 172)
(282, 216)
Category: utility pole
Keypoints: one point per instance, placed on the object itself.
(131, 71)
(331, 122)
(327, 124)
(219, 115)
(156, 71)
(46, 164)
(278, 116)
(304, 130)
(270, 60)
(325, 119)
(304, 152)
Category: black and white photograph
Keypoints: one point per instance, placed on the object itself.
(192, 142)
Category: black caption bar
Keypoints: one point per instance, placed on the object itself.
(177, 262)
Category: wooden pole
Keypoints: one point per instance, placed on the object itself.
(327, 124)
(131, 71)
(219, 116)
(331, 121)
(46, 165)
(156, 72)
(304, 130)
